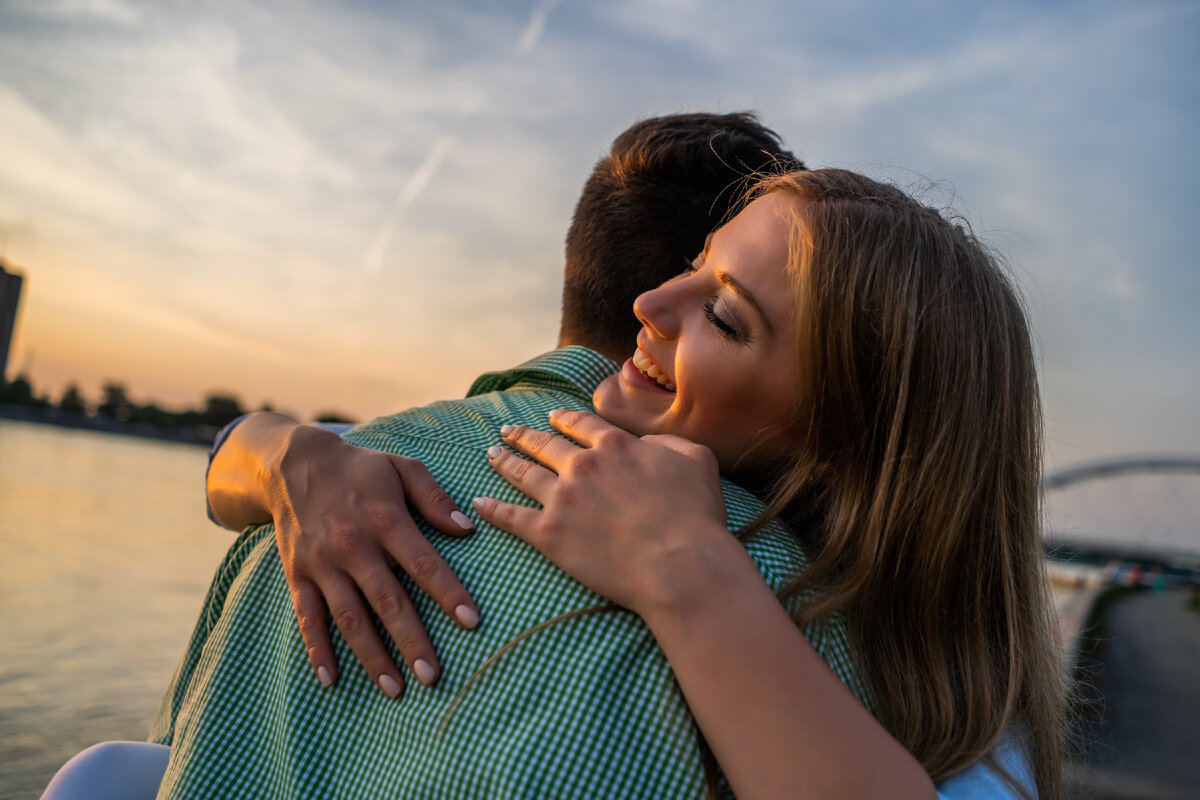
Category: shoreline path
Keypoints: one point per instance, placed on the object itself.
(1139, 714)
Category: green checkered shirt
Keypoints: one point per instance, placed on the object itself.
(587, 707)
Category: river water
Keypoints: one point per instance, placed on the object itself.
(105, 557)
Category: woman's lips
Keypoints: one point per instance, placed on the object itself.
(647, 372)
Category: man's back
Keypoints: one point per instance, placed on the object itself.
(584, 707)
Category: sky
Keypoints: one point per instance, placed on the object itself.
(359, 206)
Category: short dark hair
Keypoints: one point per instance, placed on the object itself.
(646, 209)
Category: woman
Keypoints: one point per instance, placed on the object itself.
(881, 389)
(864, 364)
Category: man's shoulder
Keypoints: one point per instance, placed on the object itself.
(775, 548)
(525, 394)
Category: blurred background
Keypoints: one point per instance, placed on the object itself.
(344, 209)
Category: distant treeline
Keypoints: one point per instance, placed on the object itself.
(115, 403)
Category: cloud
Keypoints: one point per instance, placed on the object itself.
(536, 26)
(14, 231)
(55, 177)
(112, 11)
(1122, 286)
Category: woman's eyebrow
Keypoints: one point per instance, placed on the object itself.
(741, 291)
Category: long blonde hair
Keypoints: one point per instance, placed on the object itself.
(919, 484)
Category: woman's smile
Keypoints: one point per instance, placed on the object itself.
(648, 368)
(716, 357)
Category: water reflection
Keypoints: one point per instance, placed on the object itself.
(105, 555)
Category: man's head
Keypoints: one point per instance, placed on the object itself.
(645, 211)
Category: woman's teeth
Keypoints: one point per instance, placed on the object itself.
(648, 368)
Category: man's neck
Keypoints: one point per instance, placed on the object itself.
(618, 356)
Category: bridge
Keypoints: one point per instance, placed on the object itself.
(1137, 532)
(1124, 466)
(1155, 522)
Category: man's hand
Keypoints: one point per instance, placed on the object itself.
(343, 519)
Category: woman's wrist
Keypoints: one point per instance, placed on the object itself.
(689, 582)
(242, 472)
(287, 468)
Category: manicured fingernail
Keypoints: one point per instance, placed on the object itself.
(323, 677)
(424, 672)
(389, 685)
(462, 520)
(494, 451)
(466, 616)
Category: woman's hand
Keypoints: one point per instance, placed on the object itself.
(641, 521)
(342, 520)
(636, 520)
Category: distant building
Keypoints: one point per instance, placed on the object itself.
(10, 296)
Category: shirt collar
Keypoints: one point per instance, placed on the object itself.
(576, 368)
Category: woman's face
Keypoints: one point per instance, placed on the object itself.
(716, 357)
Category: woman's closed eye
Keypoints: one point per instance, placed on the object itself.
(729, 328)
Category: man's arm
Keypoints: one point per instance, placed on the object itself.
(341, 518)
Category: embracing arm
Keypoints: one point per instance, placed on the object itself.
(342, 518)
(778, 720)
(236, 485)
(641, 521)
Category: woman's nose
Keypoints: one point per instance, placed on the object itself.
(657, 310)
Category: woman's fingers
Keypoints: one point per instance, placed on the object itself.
(427, 496)
(521, 521)
(314, 629)
(549, 449)
(396, 611)
(370, 576)
(344, 541)
(421, 561)
(530, 477)
(353, 619)
(585, 428)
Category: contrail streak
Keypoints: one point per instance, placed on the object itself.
(404, 198)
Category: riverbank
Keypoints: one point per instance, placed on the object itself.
(198, 434)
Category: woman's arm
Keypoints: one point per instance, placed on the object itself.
(341, 517)
(641, 521)
(237, 493)
(778, 720)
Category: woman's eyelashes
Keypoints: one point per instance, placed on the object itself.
(727, 325)
(728, 328)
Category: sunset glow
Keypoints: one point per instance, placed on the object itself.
(361, 206)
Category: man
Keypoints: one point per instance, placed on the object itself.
(583, 706)
(642, 216)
